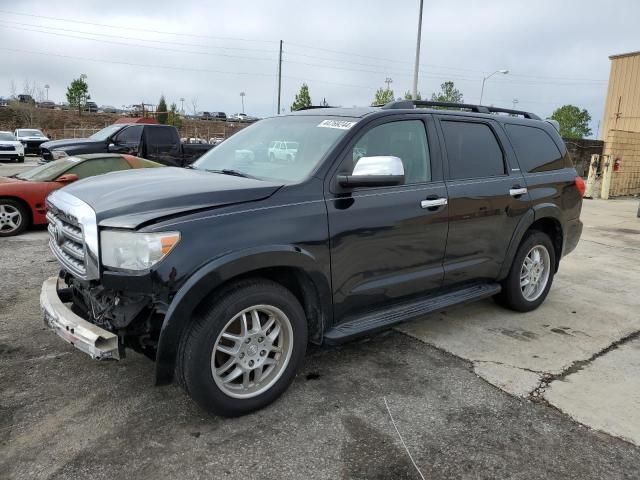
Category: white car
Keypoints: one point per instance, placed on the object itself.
(283, 151)
(10, 148)
(31, 138)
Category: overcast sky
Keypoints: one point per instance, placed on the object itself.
(131, 51)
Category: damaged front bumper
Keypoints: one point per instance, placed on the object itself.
(97, 342)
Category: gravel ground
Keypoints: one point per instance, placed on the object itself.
(64, 416)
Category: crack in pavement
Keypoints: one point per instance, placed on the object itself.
(536, 394)
(538, 372)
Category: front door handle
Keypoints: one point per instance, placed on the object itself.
(516, 192)
(438, 202)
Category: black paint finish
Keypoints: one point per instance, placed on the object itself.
(351, 252)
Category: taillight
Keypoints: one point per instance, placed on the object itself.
(581, 186)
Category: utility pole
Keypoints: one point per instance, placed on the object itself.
(417, 65)
(388, 81)
(242, 98)
(279, 76)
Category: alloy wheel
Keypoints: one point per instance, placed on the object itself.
(10, 218)
(252, 351)
(534, 274)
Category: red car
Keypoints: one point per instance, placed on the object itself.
(22, 196)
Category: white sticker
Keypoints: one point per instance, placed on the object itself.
(341, 124)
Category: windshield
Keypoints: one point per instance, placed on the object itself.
(105, 132)
(7, 137)
(49, 171)
(281, 148)
(30, 133)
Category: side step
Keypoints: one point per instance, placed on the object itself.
(373, 322)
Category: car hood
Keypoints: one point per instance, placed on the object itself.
(69, 142)
(132, 198)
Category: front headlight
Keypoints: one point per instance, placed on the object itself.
(135, 250)
(58, 154)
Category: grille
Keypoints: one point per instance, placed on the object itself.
(7, 148)
(66, 243)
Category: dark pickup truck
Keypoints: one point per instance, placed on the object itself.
(160, 143)
(223, 272)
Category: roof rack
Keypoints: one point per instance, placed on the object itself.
(313, 107)
(409, 104)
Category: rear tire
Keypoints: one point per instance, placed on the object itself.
(531, 274)
(232, 364)
(14, 217)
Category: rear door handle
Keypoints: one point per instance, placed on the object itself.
(438, 202)
(516, 192)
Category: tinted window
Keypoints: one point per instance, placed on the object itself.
(535, 149)
(98, 166)
(159, 136)
(130, 135)
(405, 139)
(472, 150)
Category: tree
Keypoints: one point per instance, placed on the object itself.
(409, 96)
(173, 117)
(194, 105)
(78, 93)
(162, 110)
(303, 99)
(574, 123)
(382, 96)
(448, 93)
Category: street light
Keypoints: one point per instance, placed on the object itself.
(46, 87)
(416, 66)
(504, 72)
(515, 102)
(182, 105)
(242, 94)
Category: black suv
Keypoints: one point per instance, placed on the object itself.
(223, 272)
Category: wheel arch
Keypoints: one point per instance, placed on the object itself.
(292, 267)
(545, 218)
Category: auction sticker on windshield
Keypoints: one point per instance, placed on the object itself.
(341, 124)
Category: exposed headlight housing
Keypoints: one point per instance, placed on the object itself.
(135, 251)
(58, 154)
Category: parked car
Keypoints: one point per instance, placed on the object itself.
(219, 116)
(31, 138)
(4, 102)
(283, 151)
(91, 107)
(24, 98)
(108, 109)
(46, 104)
(22, 196)
(223, 273)
(160, 143)
(242, 117)
(10, 148)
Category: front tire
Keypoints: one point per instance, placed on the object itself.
(14, 217)
(531, 274)
(244, 348)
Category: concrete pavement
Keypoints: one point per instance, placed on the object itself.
(593, 306)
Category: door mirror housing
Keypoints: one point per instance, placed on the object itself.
(380, 171)
(67, 178)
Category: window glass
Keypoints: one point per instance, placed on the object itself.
(130, 135)
(98, 166)
(405, 139)
(535, 149)
(159, 136)
(472, 150)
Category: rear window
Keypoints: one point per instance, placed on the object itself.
(473, 150)
(535, 149)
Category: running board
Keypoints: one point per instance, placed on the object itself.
(377, 321)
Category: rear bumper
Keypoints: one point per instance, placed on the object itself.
(96, 342)
(573, 232)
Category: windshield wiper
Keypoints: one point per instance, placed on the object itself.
(235, 173)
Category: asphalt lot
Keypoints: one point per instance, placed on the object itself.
(65, 416)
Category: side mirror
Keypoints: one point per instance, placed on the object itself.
(383, 171)
(67, 178)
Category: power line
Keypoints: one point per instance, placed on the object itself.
(140, 29)
(132, 64)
